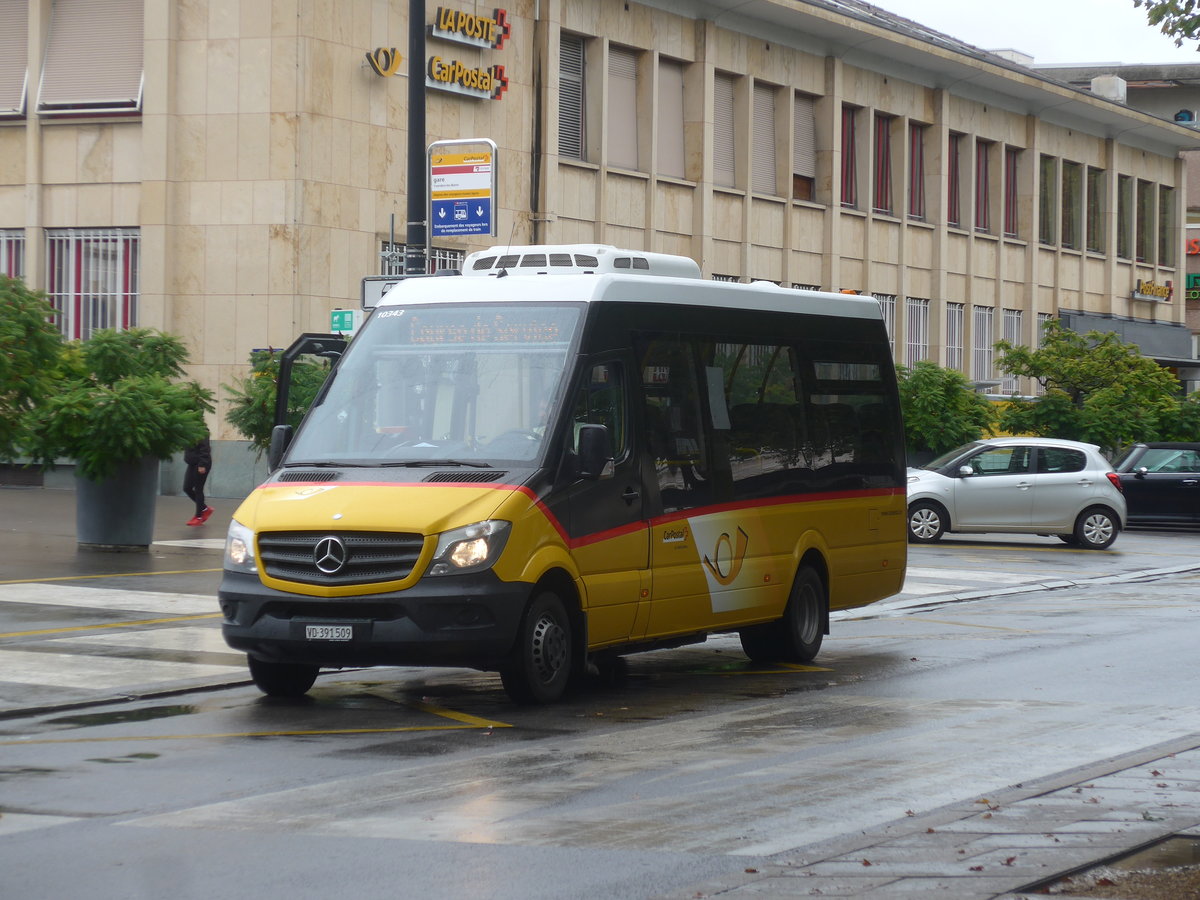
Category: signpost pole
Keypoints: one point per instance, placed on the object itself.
(416, 249)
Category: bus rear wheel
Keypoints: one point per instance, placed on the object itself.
(540, 666)
(282, 679)
(797, 636)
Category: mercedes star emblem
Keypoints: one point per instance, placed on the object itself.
(330, 555)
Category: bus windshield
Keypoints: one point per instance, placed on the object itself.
(461, 384)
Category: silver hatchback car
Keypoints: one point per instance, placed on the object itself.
(1021, 485)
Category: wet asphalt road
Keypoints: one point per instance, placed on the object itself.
(699, 766)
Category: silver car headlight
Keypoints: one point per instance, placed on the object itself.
(239, 549)
(472, 548)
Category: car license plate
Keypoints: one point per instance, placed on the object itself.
(328, 632)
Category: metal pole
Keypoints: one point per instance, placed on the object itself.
(414, 249)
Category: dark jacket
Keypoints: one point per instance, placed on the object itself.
(199, 455)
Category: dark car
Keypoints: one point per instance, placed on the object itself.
(1162, 483)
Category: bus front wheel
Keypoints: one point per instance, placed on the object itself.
(282, 679)
(797, 636)
(540, 666)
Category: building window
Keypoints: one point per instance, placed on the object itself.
(1095, 203)
(916, 313)
(916, 170)
(1012, 158)
(982, 352)
(849, 157)
(622, 130)
(804, 148)
(92, 279)
(1124, 217)
(108, 36)
(1143, 239)
(724, 132)
(1166, 226)
(12, 252)
(954, 181)
(955, 318)
(881, 199)
(1047, 191)
(14, 58)
(983, 186)
(440, 259)
(572, 118)
(730, 278)
(887, 303)
(762, 156)
(1012, 334)
(670, 119)
(1072, 202)
(797, 286)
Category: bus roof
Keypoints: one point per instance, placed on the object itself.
(611, 288)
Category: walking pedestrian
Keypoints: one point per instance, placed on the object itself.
(199, 463)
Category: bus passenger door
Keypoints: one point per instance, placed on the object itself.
(608, 531)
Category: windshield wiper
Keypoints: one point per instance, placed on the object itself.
(419, 463)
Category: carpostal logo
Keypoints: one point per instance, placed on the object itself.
(471, 29)
(452, 75)
(727, 557)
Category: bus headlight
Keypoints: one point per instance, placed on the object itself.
(239, 549)
(469, 549)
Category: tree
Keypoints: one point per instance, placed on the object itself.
(116, 399)
(1175, 18)
(31, 351)
(941, 410)
(1097, 389)
(253, 396)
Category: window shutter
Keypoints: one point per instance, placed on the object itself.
(670, 118)
(93, 57)
(14, 56)
(622, 108)
(804, 137)
(570, 97)
(764, 180)
(724, 146)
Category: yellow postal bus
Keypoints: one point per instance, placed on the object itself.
(567, 454)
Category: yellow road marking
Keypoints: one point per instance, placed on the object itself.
(70, 628)
(113, 575)
(923, 620)
(464, 720)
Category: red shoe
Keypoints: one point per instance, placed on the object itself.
(208, 511)
(195, 520)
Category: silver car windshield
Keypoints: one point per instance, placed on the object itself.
(461, 384)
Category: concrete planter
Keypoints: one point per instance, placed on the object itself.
(117, 514)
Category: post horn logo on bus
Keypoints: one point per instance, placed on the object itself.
(472, 29)
(384, 60)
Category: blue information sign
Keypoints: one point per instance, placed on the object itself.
(471, 215)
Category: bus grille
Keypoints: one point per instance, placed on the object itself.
(338, 558)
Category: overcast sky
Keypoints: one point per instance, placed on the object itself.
(1051, 31)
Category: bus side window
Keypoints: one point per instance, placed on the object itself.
(601, 401)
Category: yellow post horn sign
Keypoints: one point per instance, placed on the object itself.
(384, 60)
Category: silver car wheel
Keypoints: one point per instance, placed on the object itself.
(1096, 529)
(925, 523)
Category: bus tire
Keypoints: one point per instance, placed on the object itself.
(277, 679)
(540, 666)
(926, 522)
(797, 636)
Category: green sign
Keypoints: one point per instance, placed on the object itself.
(341, 320)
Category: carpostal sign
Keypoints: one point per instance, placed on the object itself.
(445, 73)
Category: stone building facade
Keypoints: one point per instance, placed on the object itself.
(229, 170)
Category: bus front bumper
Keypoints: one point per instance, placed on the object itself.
(468, 621)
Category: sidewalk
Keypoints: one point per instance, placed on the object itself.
(1016, 838)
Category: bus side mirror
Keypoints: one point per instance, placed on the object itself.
(281, 436)
(595, 453)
